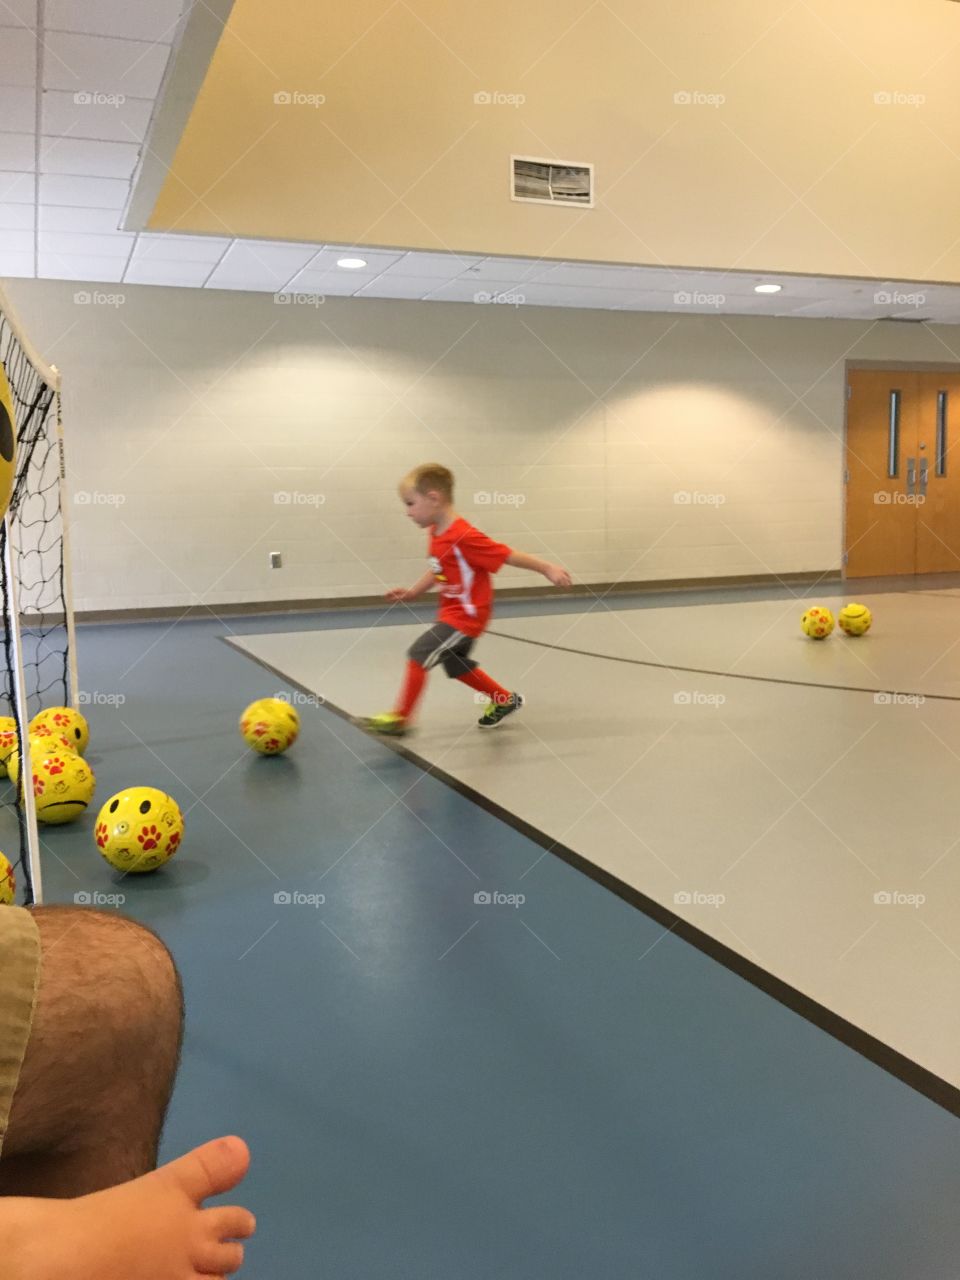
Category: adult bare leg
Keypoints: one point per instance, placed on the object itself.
(101, 1060)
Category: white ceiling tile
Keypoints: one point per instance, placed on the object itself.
(185, 274)
(154, 21)
(174, 248)
(514, 269)
(16, 264)
(656, 279)
(17, 241)
(18, 110)
(535, 295)
(16, 217)
(572, 302)
(444, 265)
(273, 251)
(18, 57)
(259, 265)
(336, 284)
(92, 193)
(98, 65)
(828, 309)
(807, 287)
(65, 116)
(64, 243)
(85, 158)
(394, 286)
(470, 289)
(16, 13)
(55, 266)
(311, 279)
(17, 152)
(242, 286)
(67, 218)
(733, 286)
(17, 188)
(647, 300)
(586, 274)
(377, 260)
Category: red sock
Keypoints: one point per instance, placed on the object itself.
(483, 683)
(413, 682)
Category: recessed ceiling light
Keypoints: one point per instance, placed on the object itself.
(767, 288)
(351, 264)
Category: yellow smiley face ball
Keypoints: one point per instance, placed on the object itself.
(8, 882)
(63, 720)
(63, 786)
(269, 726)
(8, 440)
(855, 619)
(817, 623)
(139, 829)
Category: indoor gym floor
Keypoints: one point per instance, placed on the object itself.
(569, 1087)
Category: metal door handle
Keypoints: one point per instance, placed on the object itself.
(924, 465)
(911, 475)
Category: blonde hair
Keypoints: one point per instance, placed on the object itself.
(430, 476)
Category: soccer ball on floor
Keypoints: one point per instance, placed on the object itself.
(8, 741)
(40, 745)
(269, 726)
(139, 829)
(817, 622)
(63, 786)
(63, 720)
(8, 882)
(855, 619)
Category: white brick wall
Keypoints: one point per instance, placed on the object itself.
(197, 407)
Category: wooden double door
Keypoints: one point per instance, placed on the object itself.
(902, 476)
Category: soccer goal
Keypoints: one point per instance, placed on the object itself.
(38, 663)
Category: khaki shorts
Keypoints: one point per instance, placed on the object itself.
(19, 978)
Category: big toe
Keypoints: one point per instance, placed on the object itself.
(211, 1169)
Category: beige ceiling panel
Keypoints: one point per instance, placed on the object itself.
(817, 138)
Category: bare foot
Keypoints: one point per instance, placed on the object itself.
(153, 1228)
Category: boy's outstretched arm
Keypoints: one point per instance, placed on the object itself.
(412, 593)
(554, 573)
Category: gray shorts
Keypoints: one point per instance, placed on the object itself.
(20, 967)
(444, 646)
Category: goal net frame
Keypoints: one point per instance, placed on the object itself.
(18, 611)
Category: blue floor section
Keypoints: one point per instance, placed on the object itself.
(435, 1088)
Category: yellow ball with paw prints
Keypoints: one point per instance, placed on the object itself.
(817, 622)
(270, 726)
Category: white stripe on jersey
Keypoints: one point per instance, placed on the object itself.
(466, 577)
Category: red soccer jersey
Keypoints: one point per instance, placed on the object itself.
(462, 559)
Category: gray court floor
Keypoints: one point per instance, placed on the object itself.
(795, 799)
(436, 1088)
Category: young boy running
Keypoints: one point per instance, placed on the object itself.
(461, 562)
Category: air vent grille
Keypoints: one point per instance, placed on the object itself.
(540, 181)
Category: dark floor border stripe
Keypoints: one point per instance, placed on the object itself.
(911, 1073)
(726, 675)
